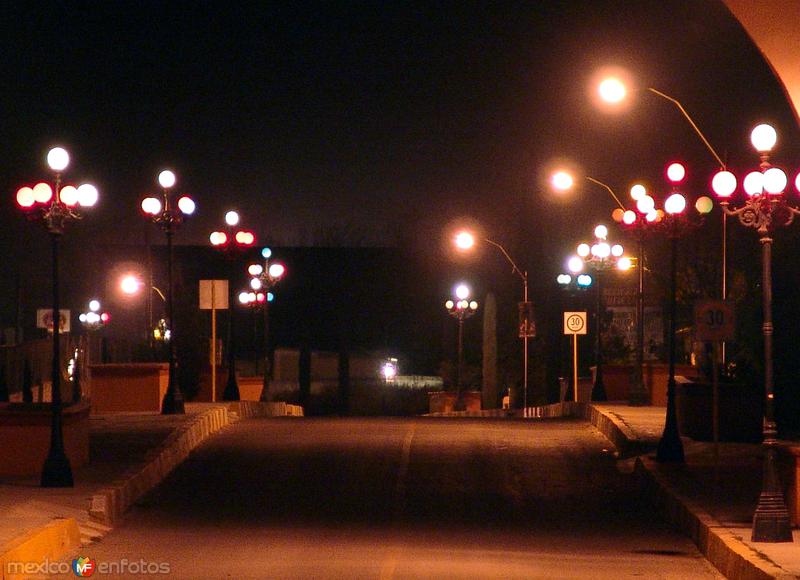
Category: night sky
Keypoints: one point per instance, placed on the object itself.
(368, 117)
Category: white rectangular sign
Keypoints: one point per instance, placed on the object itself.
(574, 323)
(44, 319)
(219, 294)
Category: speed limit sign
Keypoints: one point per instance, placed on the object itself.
(714, 320)
(574, 323)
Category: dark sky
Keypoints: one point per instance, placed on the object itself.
(369, 117)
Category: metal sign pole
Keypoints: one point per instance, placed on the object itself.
(213, 344)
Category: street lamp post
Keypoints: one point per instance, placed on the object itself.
(55, 207)
(131, 284)
(461, 309)
(465, 241)
(765, 209)
(92, 320)
(230, 242)
(264, 279)
(169, 215)
(601, 257)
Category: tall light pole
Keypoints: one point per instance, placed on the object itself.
(231, 242)
(169, 215)
(465, 241)
(765, 209)
(613, 90)
(461, 309)
(55, 207)
(264, 278)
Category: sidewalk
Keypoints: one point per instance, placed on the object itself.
(715, 511)
(129, 455)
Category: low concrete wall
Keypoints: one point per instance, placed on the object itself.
(25, 436)
(47, 544)
(129, 387)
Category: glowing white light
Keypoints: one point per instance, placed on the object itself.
(244, 297)
(473, 305)
(449, 304)
(612, 90)
(25, 197)
(603, 250)
(583, 250)
(462, 291)
(68, 195)
(58, 159)
(629, 217)
(232, 218)
(87, 195)
(42, 193)
(276, 270)
(575, 264)
(601, 232)
(753, 183)
(564, 279)
(94, 305)
(266, 253)
(616, 250)
(186, 205)
(255, 284)
(151, 205)
(625, 263)
(166, 179)
(638, 191)
(724, 183)
(255, 269)
(675, 204)
(775, 180)
(646, 204)
(130, 284)
(562, 180)
(464, 240)
(676, 172)
(584, 280)
(764, 138)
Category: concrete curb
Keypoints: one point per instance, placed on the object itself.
(46, 543)
(108, 505)
(719, 545)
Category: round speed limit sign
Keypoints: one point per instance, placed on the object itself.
(574, 323)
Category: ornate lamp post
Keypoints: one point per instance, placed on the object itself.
(169, 215)
(230, 242)
(600, 256)
(92, 320)
(465, 241)
(264, 279)
(55, 207)
(765, 209)
(461, 309)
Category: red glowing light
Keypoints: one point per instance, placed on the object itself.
(245, 238)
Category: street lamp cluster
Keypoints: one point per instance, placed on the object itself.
(169, 214)
(55, 207)
(462, 308)
(601, 256)
(264, 277)
(765, 208)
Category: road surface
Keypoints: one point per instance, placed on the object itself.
(401, 498)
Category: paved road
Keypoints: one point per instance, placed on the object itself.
(402, 498)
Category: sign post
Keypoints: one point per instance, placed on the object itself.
(714, 322)
(575, 324)
(213, 296)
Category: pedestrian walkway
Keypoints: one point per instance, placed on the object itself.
(129, 454)
(713, 503)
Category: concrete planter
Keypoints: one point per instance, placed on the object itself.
(741, 411)
(441, 401)
(129, 387)
(617, 380)
(25, 433)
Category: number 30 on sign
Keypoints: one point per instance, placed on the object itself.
(714, 320)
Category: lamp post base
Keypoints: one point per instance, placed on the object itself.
(231, 392)
(57, 471)
(771, 519)
(599, 392)
(172, 404)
